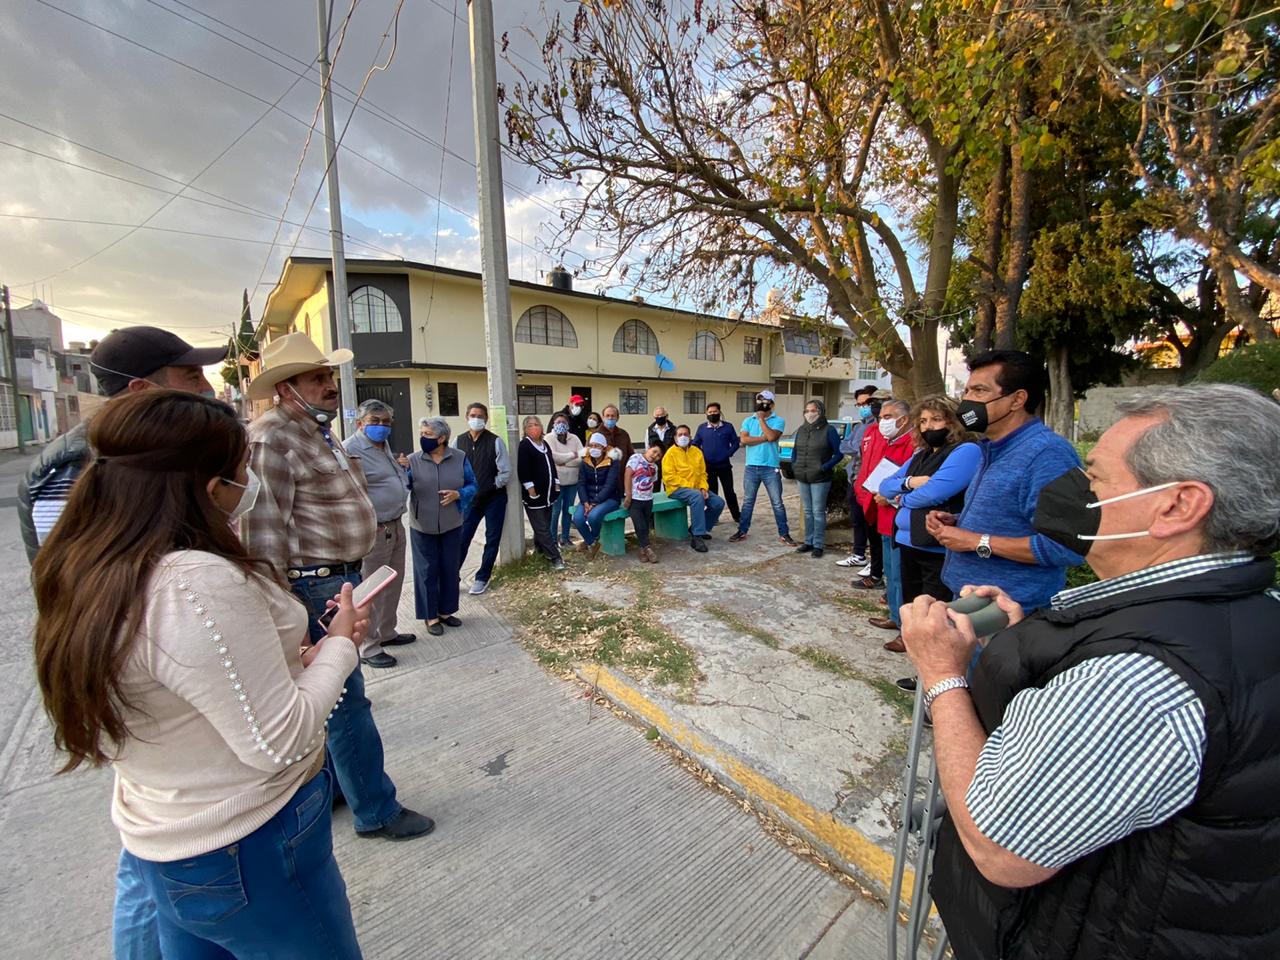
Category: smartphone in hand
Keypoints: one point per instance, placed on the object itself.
(363, 594)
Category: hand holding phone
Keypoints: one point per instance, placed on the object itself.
(361, 596)
(347, 621)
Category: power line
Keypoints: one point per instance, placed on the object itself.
(114, 320)
(247, 211)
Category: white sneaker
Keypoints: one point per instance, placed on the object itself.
(852, 560)
(865, 571)
(478, 587)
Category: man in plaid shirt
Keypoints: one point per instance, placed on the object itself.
(314, 522)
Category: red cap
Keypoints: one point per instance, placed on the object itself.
(577, 399)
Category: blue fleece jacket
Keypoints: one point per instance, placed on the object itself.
(954, 476)
(1002, 502)
(718, 444)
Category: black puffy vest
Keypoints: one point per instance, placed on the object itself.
(482, 454)
(1203, 885)
(810, 451)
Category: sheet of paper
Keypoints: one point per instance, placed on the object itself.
(882, 471)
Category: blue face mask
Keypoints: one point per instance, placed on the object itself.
(561, 429)
(377, 432)
(864, 411)
(610, 422)
(428, 443)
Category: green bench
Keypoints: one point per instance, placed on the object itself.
(670, 520)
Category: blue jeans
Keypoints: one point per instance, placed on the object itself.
(355, 746)
(813, 498)
(275, 894)
(771, 477)
(892, 578)
(562, 511)
(494, 515)
(135, 933)
(703, 514)
(589, 524)
(436, 558)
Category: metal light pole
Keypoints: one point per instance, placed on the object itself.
(341, 321)
(494, 271)
(11, 365)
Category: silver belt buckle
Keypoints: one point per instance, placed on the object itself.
(321, 572)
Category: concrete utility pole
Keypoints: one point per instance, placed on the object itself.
(494, 272)
(11, 365)
(341, 319)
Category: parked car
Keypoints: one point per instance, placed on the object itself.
(787, 444)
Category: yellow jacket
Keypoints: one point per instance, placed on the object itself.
(684, 468)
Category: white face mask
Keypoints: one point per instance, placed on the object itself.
(575, 409)
(593, 423)
(248, 498)
(682, 441)
(811, 417)
(476, 424)
(888, 429)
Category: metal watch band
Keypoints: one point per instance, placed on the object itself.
(941, 687)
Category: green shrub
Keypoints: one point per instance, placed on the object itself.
(1257, 366)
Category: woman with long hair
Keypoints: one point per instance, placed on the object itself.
(166, 651)
(935, 478)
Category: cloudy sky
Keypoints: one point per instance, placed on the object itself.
(108, 108)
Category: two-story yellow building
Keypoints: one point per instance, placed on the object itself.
(419, 341)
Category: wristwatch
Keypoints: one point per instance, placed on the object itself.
(941, 687)
(984, 546)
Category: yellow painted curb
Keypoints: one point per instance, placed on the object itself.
(847, 842)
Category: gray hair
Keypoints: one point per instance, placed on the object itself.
(1226, 437)
(439, 426)
(528, 420)
(372, 406)
(903, 408)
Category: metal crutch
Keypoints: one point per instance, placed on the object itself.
(914, 817)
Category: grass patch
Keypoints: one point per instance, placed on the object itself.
(889, 691)
(735, 622)
(860, 604)
(561, 630)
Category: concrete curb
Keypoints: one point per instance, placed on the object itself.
(844, 845)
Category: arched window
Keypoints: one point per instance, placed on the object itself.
(634, 336)
(547, 326)
(372, 311)
(705, 345)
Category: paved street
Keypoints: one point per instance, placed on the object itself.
(562, 832)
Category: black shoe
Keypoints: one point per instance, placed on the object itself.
(738, 537)
(706, 536)
(804, 548)
(451, 621)
(405, 825)
(787, 540)
(817, 553)
(868, 583)
(697, 544)
(906, 683)
(379, 660)
(435, 629)
(400, 639)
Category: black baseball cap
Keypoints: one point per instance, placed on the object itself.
(137, 352)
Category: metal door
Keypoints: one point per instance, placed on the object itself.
(394, 392)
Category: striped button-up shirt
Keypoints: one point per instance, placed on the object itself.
(313, 507)
(1107, 747)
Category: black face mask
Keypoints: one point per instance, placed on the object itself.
(973, 414)
(936, 438)
(428, 443)
(764, 407)
(660, 421)
(713, 418)
(1063, 513)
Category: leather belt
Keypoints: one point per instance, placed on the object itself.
(323, 570)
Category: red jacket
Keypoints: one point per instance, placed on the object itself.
(874, 449)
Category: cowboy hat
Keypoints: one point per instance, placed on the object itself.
(287, 357)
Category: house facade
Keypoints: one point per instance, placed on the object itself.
(419, 340)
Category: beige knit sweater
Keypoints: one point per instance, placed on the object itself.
(225, 722)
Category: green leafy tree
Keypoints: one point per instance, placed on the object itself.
(243, 348)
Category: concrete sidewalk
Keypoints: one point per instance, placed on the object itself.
(562, 832)
(791, 702)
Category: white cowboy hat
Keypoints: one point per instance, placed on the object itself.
(289, 356)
